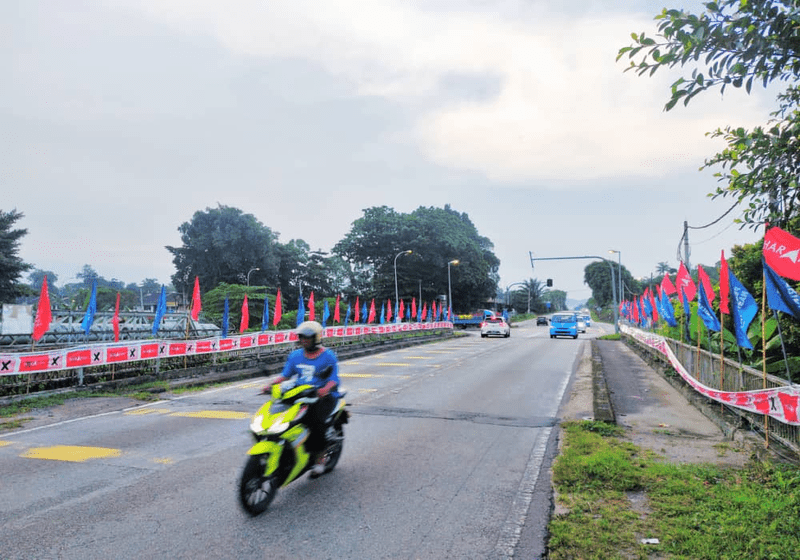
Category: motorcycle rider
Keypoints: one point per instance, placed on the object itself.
(315, 365)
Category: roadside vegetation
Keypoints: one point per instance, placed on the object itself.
(615, 500)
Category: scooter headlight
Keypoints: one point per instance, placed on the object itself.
(257, 425)
(278, 426)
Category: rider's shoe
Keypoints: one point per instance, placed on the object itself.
(319, 467)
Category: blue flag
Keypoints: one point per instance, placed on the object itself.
(301, 311)
(687, 309)
(781, 296)
(88, 317)
(265, 315)
(225, 319)
(326, 313)
(744, 309)
(383, 313)
(347, 315)
(505, 315)
(396, 312)
(161, 309)
(705, 311)
(667, 311)
(408, 312)
(364, 312)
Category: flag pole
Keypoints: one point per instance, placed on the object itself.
(697, 361)
(764, 350)
(721, 354)
(783, 348)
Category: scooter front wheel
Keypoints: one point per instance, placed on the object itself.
(256, 491)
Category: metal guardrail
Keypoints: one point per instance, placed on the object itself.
(729, 376)
(205, 367)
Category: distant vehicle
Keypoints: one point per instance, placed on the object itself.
(541, 320)
(495, 326)
(588, 320)
(564, 324)
(581, 324)
(474, 320)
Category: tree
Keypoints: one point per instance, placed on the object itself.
(37, 277)
(435, 236)
(738, 43)
(221, 245)
(11, 265)
(663, 268)
(598, 277)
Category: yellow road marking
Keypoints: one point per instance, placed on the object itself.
(399, 364)
(250, 385)
(356, 375)
(72, 453)
(221, 414)
(417, 357)
(367, 390)
(2, 443)
(143, 411)
(164, 461)
(440, 352)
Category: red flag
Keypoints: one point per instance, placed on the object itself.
(413, 309)
(424, 310)
(389, 310)
(197, 305)
(245, 316)
(311, 307)
(781, 251)
(44, 315)
(336, 316)
(276, 317)
(115, 320)
(433, 310)
(371, 316)
(357, 315)
(667, 286)
(653, 305)
(724, 286)
(402, 310)
(684, 281)
(705, 281)
(635, 309)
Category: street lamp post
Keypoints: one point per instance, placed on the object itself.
(396, 296)
(450, 291)
(619, 270)
(248, 274)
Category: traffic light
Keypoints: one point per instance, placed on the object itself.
(549, 282)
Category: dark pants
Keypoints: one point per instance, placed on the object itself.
(315, 420)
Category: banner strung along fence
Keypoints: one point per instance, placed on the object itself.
(742, 388)
(132, 351)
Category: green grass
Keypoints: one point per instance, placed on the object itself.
(696, 511)
(610, 337)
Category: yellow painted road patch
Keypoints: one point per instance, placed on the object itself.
(399, 364)
(220, 414)
(143, 411)
(71, 453)
(372, 375)
(2, 443)
(417, 357)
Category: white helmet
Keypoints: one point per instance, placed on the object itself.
(309, 329)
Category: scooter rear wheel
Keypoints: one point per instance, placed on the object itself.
(256, 491)
(335, 451)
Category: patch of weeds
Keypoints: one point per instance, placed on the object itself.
(696, 511)
(195, 388)
(15, 423)
(26, 405)
(610, 337)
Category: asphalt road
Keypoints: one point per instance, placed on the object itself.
(445, 457)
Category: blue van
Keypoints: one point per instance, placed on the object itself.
(564, 324)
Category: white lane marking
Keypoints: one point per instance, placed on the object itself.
(512, 529)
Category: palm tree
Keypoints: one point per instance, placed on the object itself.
(664, 268)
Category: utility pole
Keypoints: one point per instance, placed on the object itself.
(686, 246)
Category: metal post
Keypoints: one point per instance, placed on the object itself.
(450, 291)
(396, 297)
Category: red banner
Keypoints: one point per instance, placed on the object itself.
(781, 251)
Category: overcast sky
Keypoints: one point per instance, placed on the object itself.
(120, 119)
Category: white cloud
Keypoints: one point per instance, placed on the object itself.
(562, 101)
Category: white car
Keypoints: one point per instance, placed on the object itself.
(581, 324)
(495, 326)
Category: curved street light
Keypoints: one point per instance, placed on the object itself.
(248, 274)
(396, 297)
(619, 271)
(450, 291)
